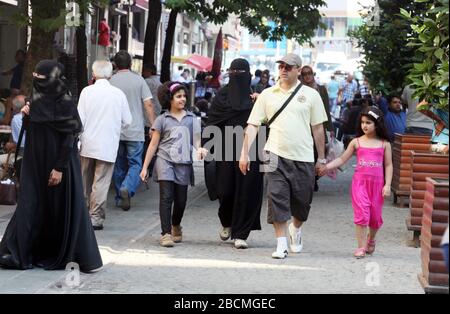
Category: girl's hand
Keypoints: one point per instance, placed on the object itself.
(144, 175)
(322, 170)
(386, 191)
(55, 178)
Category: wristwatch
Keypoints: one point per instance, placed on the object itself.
(322, 161)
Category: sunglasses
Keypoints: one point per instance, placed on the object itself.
(307, 73)
(284, 66)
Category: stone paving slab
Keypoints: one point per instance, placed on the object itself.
(135, 263)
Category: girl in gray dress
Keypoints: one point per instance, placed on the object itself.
(172, 142)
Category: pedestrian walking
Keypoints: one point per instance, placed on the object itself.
(307, 78)
(416, 122)
(104, 112)
(299, 116)
(153, 81)
(347, 90)
(240, 196)
(50, 227)
(333, 89)
(129, 156)
(172, 142)
(372, 179)
(16, 72)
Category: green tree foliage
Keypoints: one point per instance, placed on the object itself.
(47, 17)
(430, 39)
(293, 19)
(384, 41)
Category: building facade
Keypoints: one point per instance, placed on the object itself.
(12, 37)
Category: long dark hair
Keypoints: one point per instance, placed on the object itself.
(376, 115)
(167, 91)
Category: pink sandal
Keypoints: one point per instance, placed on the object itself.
(360, 253)
(370, 246)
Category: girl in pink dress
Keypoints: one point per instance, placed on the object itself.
(372, 179)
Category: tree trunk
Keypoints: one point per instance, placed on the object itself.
(151, 33)
(170, 33)
(82, 70)
(41, 43)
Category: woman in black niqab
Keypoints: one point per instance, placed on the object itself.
(240, 196)
(51, 226)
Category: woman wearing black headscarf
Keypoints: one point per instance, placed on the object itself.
(51, 225)
(240, 196)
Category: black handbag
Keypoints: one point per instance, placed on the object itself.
(8, 191)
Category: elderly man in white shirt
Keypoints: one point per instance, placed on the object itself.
(104, 112)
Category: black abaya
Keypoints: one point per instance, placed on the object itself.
(240, 196)
(51, 226)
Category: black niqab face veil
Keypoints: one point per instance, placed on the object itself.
(51, 100)
(239, 86)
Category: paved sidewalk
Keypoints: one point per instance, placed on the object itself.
(135, 263)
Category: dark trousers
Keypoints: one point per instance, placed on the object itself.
(418, 131)
(171, 193)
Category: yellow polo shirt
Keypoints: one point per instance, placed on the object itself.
(290, 133)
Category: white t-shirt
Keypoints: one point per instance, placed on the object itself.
(104, 112)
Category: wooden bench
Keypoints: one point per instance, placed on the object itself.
(434, 276)
(423, 165)
(401, 151)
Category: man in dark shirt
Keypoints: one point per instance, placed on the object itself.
(16, 72)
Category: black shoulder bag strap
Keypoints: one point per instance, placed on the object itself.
(284, 105)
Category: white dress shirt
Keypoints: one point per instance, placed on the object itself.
(104, 111)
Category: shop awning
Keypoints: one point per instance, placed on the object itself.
(12, 2)
(196, 61)
(143, 4)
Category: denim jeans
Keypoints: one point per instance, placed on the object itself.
(333, 104)
(128, 167)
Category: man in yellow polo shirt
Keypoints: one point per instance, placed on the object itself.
(291, 142)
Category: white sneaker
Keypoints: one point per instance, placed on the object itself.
(225, 233)
(295, 239)
(240, 244)
(280, 255)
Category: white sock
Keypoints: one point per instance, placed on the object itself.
(296, 230)
(282, 244)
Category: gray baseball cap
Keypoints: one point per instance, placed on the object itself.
(291, 59)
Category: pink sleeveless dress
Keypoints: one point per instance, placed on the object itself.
(367, 187)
